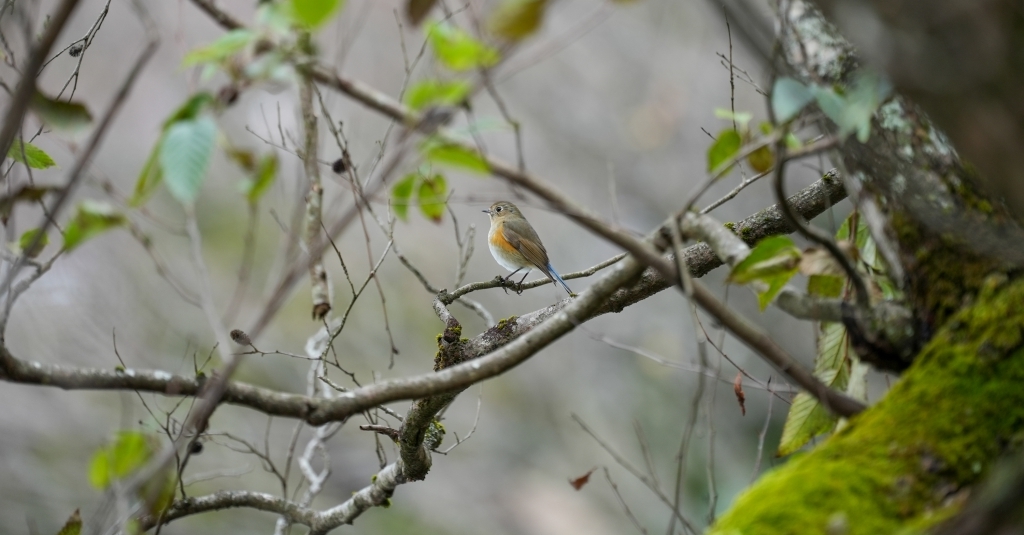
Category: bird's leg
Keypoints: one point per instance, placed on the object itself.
(507, 279)
(519, 291)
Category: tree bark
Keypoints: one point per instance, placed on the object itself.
(910, 460)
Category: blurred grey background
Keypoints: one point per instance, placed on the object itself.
(608, 94)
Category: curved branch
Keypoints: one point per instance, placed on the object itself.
(228, 499)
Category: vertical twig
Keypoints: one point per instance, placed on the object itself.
(320, 285)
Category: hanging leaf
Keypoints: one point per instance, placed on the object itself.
(60, 115)
(28, 237)
(723, 149)
(432, 92)
(23, 194)
(579, 482)
(772, 261)
(91, 218)
(432, 196)
(770, 257)
(458, 50)
(224, 47)
(807, 417)
(401, 193)
(439, 152)
(416, 10)
(262, 178)
(30, 155)
(806, 420)
(761, 160)
(245, 159)
(130, 450)
(149, 180)
(517, 19)
(191, 109)
(741, 118)
(853, 110)
(184, 156)
(313, 13)
(737, 389)
(73, 526)
(789, 97)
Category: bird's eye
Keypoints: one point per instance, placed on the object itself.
(498, 209)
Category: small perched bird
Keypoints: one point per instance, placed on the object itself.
(516, 246)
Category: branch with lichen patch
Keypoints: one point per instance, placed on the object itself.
(313, 218)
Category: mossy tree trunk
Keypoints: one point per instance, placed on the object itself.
(911, 460)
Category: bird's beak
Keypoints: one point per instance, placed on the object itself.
(486, 211)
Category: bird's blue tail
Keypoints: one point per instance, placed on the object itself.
(556, 277)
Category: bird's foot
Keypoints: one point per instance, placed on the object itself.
(503, 282)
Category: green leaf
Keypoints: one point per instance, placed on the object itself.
(416, 10)
(264, 176)
(91, 218)
(185, 154)
(867, 251)
(807, 417)
(517, 19)
(30, 155)
(313, 13)
(771, 256)
(742, 118)
(150, 178)
(852, 111)
(29, 236)
(773, 261)
(833, 355)
(443, 153)
(806, 420)
(775, 285)
(69, 116)
(789, 96)
(130, 450)
(831, 103)
(401, 193)
(793, 142)
(724, 148)
(458, 50)
(224, 47)
(191, 109)
(825, 285)
(73, 526)
(431, 92)
(432, 196)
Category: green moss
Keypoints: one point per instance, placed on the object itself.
(897, 463)
(731, 226)
(503, 323)
(373, 478)
(747, 233)
(946, 275)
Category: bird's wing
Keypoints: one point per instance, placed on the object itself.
(525, 240)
